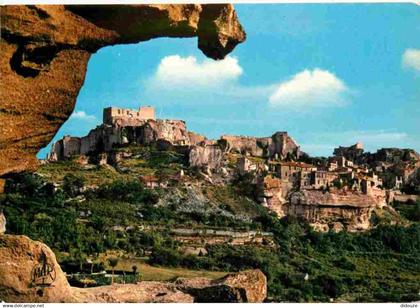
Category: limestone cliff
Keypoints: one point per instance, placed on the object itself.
(349, 210)
(272, 194)
(45, 49)
(103, 138)
(210, 156)
(280, 144)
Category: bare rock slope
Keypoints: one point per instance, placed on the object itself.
(44, 51)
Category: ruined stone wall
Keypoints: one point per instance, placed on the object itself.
(90, 142)
(56, 152)
(128, 117)
(71, 146)
(353, 152)
(106, 137)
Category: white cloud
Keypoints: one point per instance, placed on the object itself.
(174, 71)
(411, 59)
(316, 88)
(189, 81)
(81, 115)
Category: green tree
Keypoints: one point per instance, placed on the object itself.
(113, 262)
(72, 184)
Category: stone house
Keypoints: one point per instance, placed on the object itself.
(398, 182)
(369, 183)
(244, 165)
(332, 166)
(150, 181)
(322, 179)
(289, 171)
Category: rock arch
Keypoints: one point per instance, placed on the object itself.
(44, 51)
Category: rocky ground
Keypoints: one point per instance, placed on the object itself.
(21, 281)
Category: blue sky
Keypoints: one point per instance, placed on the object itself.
(328, 74)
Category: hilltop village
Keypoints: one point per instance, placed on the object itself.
(338, 192)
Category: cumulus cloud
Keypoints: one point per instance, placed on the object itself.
(81, 115)
(175, 70)
(316, 88)
(411, 59)
(191, 80)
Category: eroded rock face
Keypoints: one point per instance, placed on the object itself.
(29, 272)
(324, 210)
(243, 287)
(165, 133)
(2, 223)
(21, 272)
(280, 144)
(206, 156)
(44, 50)
(272, 193)
(172, 131)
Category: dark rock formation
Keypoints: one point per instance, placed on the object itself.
(44, 52)
(395, 155)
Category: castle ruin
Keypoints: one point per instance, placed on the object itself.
(127, 117)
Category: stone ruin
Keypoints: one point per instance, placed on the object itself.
(125, 126)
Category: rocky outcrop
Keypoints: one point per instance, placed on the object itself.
(104, 137)
(2, 223)
(271, 194)
(353, 152)
(280, 144)
(324, 210)
(206, 156)
(172, 131)
(241, 144)
(395, 155)
(45, 49)
(244, 287)
(197, 139)
(142, 292)
(164, 133)
(30, 273)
